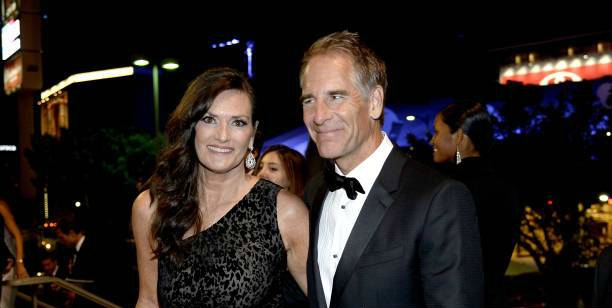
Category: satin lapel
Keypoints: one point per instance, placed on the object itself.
(317, 206)
(373, 211)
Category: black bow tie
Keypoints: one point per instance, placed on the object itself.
(336, 181)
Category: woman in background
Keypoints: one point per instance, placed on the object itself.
(463, 136)
(284, 166)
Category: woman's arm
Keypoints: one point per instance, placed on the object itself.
(293, 225)
(12, 227)
(142, 211)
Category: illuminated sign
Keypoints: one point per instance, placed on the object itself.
(553, 72)
(54, 115)
(88, 76)
(13, 74)
(11, 42)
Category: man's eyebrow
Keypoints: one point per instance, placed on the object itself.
(337, 92)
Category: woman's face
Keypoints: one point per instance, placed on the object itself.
(223, 134)
(443, 142)
(272, 169)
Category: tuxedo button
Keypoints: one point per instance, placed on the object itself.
(335, 256)
(343, 207)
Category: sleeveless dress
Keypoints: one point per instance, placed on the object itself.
(237, 262)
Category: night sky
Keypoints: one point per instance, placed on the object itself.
(430, 54)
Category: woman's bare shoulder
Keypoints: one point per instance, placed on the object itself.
(142, 207)
(290, 206)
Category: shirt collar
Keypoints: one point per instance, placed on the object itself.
(371, 165)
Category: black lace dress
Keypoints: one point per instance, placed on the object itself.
(237, 262)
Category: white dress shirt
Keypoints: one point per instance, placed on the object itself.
(340, 213)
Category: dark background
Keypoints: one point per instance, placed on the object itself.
(432, 52)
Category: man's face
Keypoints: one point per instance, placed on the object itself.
(48, 266)
(69, 239)
(338, 117)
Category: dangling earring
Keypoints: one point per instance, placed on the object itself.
(250, 159)
(458, 156)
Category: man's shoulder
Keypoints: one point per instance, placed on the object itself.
(421, 174)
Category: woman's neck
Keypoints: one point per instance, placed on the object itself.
(219, 189)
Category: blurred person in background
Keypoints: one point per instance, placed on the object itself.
(463, 136)
(11, 248)
(95, 259)
(283, 166)
(52, 293)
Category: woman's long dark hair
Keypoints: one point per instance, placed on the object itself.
(174, 184)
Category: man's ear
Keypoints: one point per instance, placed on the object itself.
(377, 98)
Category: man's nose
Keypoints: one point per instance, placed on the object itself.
(321, 112)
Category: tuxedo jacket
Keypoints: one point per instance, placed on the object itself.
(415, 243)
(102, 260)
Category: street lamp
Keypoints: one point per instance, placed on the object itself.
(169, 65)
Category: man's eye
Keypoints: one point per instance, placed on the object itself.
(307, 101)
(337, 96)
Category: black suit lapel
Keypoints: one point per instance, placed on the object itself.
(320, 197)
(316, 205)
(373, 211)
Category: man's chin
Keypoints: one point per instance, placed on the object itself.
(328, 154)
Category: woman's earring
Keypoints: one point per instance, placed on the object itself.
(458, 156)
(250, 159)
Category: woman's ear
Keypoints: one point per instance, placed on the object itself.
(458, 137)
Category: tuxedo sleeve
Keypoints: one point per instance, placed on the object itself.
(450, 253)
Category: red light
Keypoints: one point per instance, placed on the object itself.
(549, 202)
(45, 225)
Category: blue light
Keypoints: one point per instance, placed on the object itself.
(221, 44)
(517, 131)
(228, 43)
(235, 41)
(249, 53)
(214, 45)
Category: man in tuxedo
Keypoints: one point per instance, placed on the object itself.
(94, 260)
(392, 233)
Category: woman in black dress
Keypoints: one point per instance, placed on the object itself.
(207, 233)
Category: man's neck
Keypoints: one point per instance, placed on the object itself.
(348, 163)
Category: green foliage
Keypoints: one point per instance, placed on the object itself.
(100, 169)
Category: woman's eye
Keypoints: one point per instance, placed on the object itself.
(208, 120)
(240, 123)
